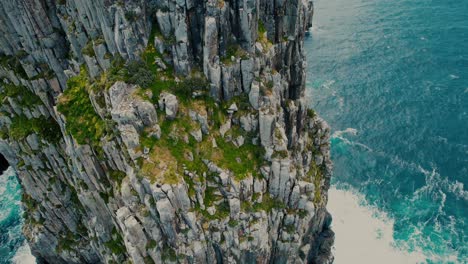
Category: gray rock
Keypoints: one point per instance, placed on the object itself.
(197, 135)
(225, 128)
(168, 102)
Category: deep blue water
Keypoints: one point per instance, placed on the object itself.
(391, 78)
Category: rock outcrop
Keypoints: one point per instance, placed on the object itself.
(164, 131)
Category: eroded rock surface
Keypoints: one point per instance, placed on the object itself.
(214, 160)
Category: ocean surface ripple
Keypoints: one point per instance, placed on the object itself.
(391, 78)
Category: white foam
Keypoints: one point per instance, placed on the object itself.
(348, 130)
(352, 131)
(23, 255)
(364, 234)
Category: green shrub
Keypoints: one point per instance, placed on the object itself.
(23, 95)
(13, 63)
(138, 73)
(151, 244)
(311, 113)
(131, 16)
(46, 128)
(117, 176)
(88, 49)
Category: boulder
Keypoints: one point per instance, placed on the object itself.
(169, 103)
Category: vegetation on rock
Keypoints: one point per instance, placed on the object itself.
(82, 121)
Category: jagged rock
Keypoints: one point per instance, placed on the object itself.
(106, 190)
(129, 109)
(266, 128)
(225, 128)
(239, 141)
(160, 63)
(197, 135)
(233, 108)
(168, 102)
(155, 131)
(254, 95)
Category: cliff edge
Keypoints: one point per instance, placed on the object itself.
(171, 131)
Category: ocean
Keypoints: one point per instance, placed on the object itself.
(391, 79)
(13, 246)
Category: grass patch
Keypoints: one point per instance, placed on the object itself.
(268, 204)
(83, 123)
(161, 166)
(262, 36)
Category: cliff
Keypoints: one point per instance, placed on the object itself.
(171, 131)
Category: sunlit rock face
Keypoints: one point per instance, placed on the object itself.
(164, 131)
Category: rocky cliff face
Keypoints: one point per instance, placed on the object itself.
(170, 131)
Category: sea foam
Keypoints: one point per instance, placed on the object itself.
(23, 255)
(363, 233)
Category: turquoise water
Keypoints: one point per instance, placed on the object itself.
(11, 238)
(391, 78)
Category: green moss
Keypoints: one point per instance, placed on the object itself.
(83, 123)
(151, 244)
(88, 49)
(28, 202)
(261, 27)
(168, 254)
(302, 213)
(290, 228)
(67, 242)
(222, 211)
(233, 223)
(148, 260)
(282, 154)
